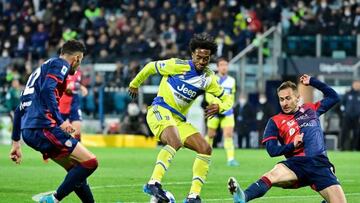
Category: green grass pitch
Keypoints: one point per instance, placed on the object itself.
(122, 172)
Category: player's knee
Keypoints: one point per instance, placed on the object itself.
(335, 194)
(176, 146)
(228, 132)
(175, 143)
(205, 149)
(90, 164)
(228, 135)
(211, 133)
(272, 177)
(208, 149)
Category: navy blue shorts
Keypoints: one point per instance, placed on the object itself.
(316, 172)
(51, 142)
(74, 115)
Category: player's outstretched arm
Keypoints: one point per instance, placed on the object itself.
(149, 69)
(305, 79)
(330, 95)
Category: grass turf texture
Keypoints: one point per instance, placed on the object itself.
(122, 172)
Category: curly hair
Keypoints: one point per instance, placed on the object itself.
(72, 46)
(203, 41)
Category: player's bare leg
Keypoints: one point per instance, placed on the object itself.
(171, 138)
(201, 164)
(197, 143)
(81, 153)
(333, 194)
(229, 145)
(281, 176)
(80, 164)
(65, 162)
(211, 133)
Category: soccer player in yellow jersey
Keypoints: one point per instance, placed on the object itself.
(182, 81)
(226, 119)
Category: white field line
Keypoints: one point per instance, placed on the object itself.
(36, 197)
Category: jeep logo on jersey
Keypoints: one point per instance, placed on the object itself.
(186, 91)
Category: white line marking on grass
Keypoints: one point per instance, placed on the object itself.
(37, 197)
(271, 197)
(283, 197)
(138, 185)
(347, 181)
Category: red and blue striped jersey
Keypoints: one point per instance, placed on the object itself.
(283, 127)
(71, 99)
(39, 100)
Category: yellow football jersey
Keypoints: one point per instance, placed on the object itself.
(181, 84)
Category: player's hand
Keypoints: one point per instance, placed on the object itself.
(211, 110)
(305, 79)
(84, 91)
(298, 140)
(70, 85)
(133, 92)
(76, 135)
(15, 152)
(67, 127)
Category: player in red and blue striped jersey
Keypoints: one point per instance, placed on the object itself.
(69, 104)
(38, 121)
(297, 129)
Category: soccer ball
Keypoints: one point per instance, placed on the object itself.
(168, 194)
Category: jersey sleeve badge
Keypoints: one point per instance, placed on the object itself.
(64, 70)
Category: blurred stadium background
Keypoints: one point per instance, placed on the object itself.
(266, 41)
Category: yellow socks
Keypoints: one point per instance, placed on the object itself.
(209, 140)
(200, 171)
(163, 160)
(229, 148)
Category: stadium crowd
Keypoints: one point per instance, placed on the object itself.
(129, 33)
(124, 31)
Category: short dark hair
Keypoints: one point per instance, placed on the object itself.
(287, 84)
(72, 46)
(218, 60)
(203, 41)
